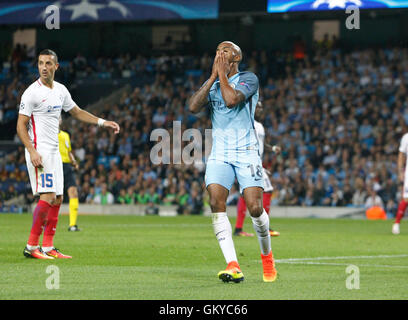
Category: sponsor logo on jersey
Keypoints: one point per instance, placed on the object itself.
(218, 104)
(53, 108)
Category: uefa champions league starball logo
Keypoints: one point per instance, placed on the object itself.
(336, 3)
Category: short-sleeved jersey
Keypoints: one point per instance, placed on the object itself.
(233, 129)
(64, 146)
(260, 133)
(404, 149)
(43, 105)
(404, 144)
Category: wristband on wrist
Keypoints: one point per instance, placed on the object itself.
(101, 122)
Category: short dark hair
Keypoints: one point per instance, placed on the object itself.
(49, 52)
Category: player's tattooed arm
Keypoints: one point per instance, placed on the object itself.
(200, 98)
(22, 132)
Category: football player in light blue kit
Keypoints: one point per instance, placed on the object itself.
(232, 97)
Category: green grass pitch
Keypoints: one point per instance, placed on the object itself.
(161, 258)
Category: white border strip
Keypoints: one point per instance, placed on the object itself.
(346, 264)
(342, 258)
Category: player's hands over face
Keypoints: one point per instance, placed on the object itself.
(36, 159)
(113, 125)
(223, 66)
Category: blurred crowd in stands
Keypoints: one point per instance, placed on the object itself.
(338, 117)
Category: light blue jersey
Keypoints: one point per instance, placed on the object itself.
(233, 129)
(234, 152)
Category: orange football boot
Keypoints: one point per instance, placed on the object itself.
(269, 272)
(36, 253)
(231, 273)
(54, 252)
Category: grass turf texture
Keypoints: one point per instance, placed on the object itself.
(129, 257)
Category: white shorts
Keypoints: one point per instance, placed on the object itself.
(405, 190)
(49, 178)
(267, 183)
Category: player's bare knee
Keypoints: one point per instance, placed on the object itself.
(217, 205)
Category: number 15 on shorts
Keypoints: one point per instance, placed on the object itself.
(46, 180)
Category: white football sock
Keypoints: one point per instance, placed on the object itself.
(46, 249)
(31, 247)
(223, 232)
(261, 226)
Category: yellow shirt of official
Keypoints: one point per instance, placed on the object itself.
(64, 146)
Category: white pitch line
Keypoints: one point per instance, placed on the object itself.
(153, 225)
(343, 264)
(342, 258)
